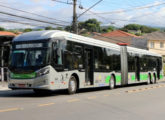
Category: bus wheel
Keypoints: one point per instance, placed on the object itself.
(72, 87)
(112, 83)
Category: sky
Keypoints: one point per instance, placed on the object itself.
(109, 12)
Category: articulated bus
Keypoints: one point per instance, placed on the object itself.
(53, 60)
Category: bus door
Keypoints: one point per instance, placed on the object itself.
(158, 68)
(137, 68)
(89, 66)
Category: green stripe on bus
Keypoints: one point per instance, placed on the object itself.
(23, 76)
(144, 77)
(118, 78)
(161, 76)
(133, 77)
(107, 79)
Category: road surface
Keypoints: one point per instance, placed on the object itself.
(142, 102)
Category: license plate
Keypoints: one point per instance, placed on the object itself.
(21, 85)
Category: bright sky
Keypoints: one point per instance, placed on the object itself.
(116, 12)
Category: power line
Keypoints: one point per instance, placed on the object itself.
(136, 8)
(68, 3)
(24, 23)
(32, 13)
(90, 8)
(42, 21)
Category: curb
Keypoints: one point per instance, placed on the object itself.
(4, 89)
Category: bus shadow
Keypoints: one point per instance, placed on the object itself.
(30, 93)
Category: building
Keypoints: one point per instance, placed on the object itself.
(156, 42)
(5, 46)
(119, 36)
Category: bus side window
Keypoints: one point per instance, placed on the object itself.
(77, 56)
(68, 60)
(68, 55)
(57, 54)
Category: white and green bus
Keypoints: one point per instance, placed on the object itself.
(53, 60)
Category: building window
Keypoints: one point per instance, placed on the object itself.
(151, 44)
(161, 44)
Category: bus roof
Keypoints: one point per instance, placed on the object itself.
(47, 34)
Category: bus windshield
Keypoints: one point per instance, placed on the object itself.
(29, 58)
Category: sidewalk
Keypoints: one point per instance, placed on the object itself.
(4, 86)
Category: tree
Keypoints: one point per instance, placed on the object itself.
(49, 28)
(136, 27)
(68, 28)
(132, 27)
(2, 29)
(91, 25)
(27, 30)
(59, 28)
(146, 29)
(108, 29)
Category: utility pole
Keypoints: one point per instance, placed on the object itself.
(74, 24)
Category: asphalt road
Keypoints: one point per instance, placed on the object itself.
(142, 102)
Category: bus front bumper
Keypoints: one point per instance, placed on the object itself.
(38, 83)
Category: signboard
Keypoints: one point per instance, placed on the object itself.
(30, 45)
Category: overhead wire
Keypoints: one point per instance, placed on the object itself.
(28, 18)
(32, 13)
(136, 8)
(23, 23)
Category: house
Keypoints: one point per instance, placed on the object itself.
(156, 42)
(119, 36)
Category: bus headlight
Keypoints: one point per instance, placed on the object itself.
(42, 72)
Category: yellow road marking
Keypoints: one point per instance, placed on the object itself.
(10, 109)
(92, 97)
(143, 89)
(48, 104)
(73, 100)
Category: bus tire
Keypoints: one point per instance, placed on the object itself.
(72, 85)
(112, 82)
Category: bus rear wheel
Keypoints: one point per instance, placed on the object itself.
(72, 87)
(112, 83)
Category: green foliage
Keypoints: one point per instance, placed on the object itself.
(132, 27)
(27, 30)
(2, 29)
(91, 25)
(107, 29)
(59, 28)
(68, 28)
(142, 28)
(38, 29)
(146, 29)
(49, 28)
(138, 34)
